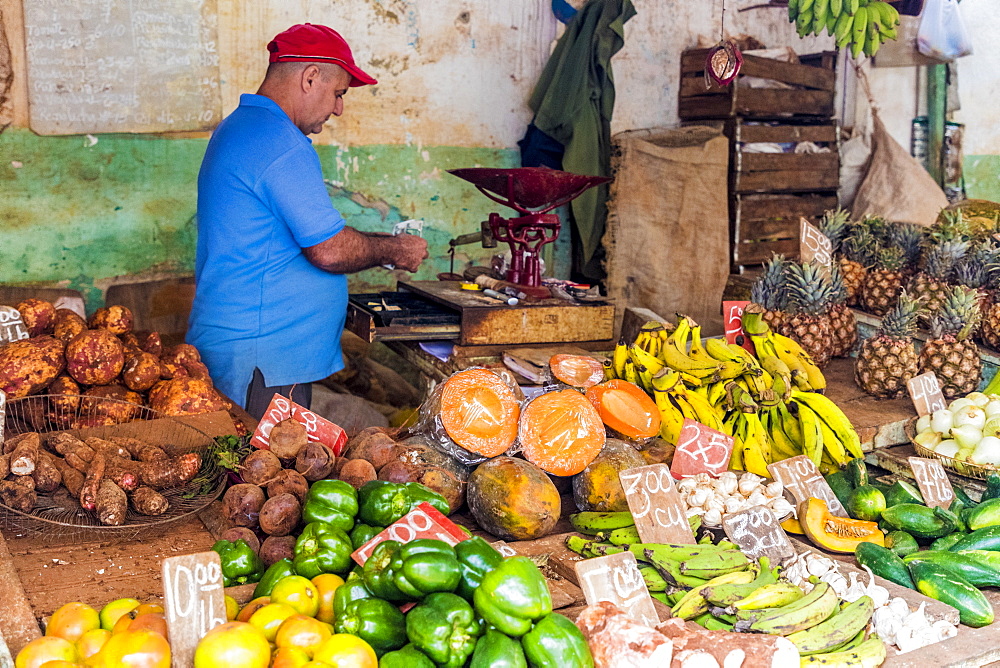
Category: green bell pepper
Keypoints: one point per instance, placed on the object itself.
(362, 533)
(377, 622)
(408, 657)
(445, 628)
(240, 564)
(331, 501)
(274, 572)
(556, 642)
(496, 650)
(381, 503)
(352, 590)
(477, 558)
(408, 572)
(322, 548)
(512, 596)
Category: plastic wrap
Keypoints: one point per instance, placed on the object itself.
(580, 371)
(561, 432)
(626, 409)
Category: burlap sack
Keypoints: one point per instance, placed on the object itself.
(667, 235)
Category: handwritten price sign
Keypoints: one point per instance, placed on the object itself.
(757, 532)
(655, 504)
(700, 449)
(194, 602)
(317, 428)
(925, 390)
(814, 246)
(732, 319)
(932, 481)
(425, 521)
(12, 327)
(616, 578)
(801, 477)
(3, 414)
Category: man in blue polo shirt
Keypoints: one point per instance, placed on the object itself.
(271, 290)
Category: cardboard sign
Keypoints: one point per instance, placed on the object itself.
(925, 390)
(3, 414)
(732, 319)
(424, 521)
(504, 549)
(656, 505)
(317, 428)
(12, 327)
(700, 449)
(932, 481)
(814, 246)
(616, 578)
(801, 477)
(758, 533)
(193, 601)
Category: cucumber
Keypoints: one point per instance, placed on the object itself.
(902, 543)
(977, 571)
(920, 521)
(980, 539)
(841, 486)
(902, 492)
(986, 514)
(992, 488)
(883, 563)
(945, 542)
(963, 498)
(856, 472)
(942, 585)
(989, 557)
(865, 503)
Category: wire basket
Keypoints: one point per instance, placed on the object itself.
(59, 515)
(967, 469)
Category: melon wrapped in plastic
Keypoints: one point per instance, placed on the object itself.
(95, 357)
(561, 432)
(186, 396)
(580, 371)
(29, 365)
(626, 408)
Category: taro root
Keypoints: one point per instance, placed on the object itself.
(116, 319)
(315, 461)
(182, 352)
(150, 342)
(287, 438)
(260, 467)
(29, 365)
(374, 445)
(288, 482)
(147, 501)
(95, 357)
(64, 395)
(185, 396)
(141, 372)
(242, 533)
(242, 503)
(67, 325)
(38, 315)
(357, 472)
(276, 548)
(280, 515)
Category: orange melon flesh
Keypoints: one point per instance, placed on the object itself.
(626, 408)
(561, 432)
(577, 370)
(479, 412)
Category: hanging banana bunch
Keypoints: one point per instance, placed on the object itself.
(863, 25)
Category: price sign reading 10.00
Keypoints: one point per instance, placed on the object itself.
(616, 578)
(659, 513)
(317, 428)
(193, 600)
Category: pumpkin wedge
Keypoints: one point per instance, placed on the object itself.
(836, 534)
(580, 371)
(478, 411)
(561, 432)
(625, 408)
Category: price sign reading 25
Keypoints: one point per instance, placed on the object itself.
(659, 513)
(701, 449)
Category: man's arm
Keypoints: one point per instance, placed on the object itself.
(350, 251)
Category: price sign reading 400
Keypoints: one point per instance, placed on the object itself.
(925, 390)
(660, 515)
(801, 477)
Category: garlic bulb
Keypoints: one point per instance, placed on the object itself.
(691, 512)
(734, 659)
(699, 497)
(781, 507)
(757, 498)
(734, 504)
(686, 486)
(774, 489)
(727, 483)
(713, 517)
(748, 485)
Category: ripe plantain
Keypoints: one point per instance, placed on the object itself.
(810, 610)
(835, 631)
(770, 596)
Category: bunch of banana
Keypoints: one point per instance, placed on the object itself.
(862, 24)
(781, 356)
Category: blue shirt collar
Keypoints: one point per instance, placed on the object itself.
(253, 100)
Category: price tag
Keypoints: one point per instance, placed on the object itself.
(804, 480)
(616, 578)
(732, 318)
(925, 390)
(3, 415)
(193, 599)
(424, 521)
(504, 549)
(655, 504)
(814, 246)
(932, 481)
(317, 428)
(700, 449)
(757, 532)
(12, 327)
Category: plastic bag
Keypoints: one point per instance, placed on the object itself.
(942, 33)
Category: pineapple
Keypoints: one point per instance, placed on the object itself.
(857, 256)
(974, 271)
(884, 282)
(989, 329)
(888, 360)
(843, 326)
(770, 291)
(932, 284)
(950, 352)
(835, 225)
(909, 238)
(807, 316)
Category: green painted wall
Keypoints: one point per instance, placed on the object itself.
(982, 177)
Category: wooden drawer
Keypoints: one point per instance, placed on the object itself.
(766, 224)
(752, 172)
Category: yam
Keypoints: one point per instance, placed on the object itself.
(94, 357)
(242, 503)
(64, 395)
(477, 410)
(276, 548)
(46, 476)
(597, 487)
(625, 408)
(116, 319)
(182, 352)
(280, 515)
(147, 501)
(373, 445)
(581, 371)
(288, 482)
(260, 467)
(185, 396)
(38, 315)
(561, 432)
(357, 472)
(315, 461)
(435, 469)
(130, 340)
(164, 473)
(234, 534)
(24, 457)
(111, 504)
(107, 448)
(172, 370)
(92, 481)
(4, 466)
(513, 499)
(141, 372)
(72, 479)
(18, 494)
(67, 325)
(29, 365)
(150, 342)
(197, 370)
(287, 438)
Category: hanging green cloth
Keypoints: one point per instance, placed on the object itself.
(573, 103)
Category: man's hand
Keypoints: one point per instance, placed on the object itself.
(349, 251)
(408, 251)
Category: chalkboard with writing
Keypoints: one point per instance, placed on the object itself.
(122, 66)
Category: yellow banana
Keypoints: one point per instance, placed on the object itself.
(697, 351)
(812, 437)
(720, 350)
(675, 359)
(781, 446)
(707, 414)
(671, 418)
(748, 441)
(618, 358)
(738, 432)
(791, 427)
(717, 392)
(642, 358)
(679, 337)
(609, 370)
(687, 410)
(631, 375)
(816, 379)
(645, 378)
(762, 440)
(834, 417)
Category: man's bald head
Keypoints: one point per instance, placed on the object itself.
(281, 72)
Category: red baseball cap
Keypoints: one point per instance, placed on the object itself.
(307, 42)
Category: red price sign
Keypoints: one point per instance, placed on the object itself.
(814, 246)
(732, 318)
(700, 449)
(317, 428)
(925, 390)
(425, 521)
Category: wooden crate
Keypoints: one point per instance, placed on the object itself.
(751, 172)
(763, 224)
(812, 96)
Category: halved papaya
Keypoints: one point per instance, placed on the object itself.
(626, 408)
(561, 432)
(479, 411)
(580, 371)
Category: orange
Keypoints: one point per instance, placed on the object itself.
(73, 620)
(92, 641)
(153, 621)
(149, 607)
(252, 607)
(302, 632)
(343, 650)
(44, 649)
(115, 609)
(233, 644)
(289, 657)
(133, 649)
(232, 608)
(326, 584)
(297, 592)
(270, 617)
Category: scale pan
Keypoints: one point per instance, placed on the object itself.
(533, 187)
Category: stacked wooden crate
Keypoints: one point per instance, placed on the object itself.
(770, 192)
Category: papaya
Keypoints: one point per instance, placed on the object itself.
(561, 432)
(581, 371)
(625, 408)
(597, 487)
(513, 499)
(476, 409)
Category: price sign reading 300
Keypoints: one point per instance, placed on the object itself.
(659, 513)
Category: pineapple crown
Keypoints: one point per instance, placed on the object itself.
(769, 290)
(901, 320)
(810, 291)
(878, 227)
(838, 290)
(859, 246)
(890, 258)
(942, 258)
(909, 238)
(978, 268)
(950, 226)
(834, 224)
(958, 315)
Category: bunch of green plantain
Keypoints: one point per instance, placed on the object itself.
(862, 24)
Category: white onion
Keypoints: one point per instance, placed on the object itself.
(929, 439)
(993, 408)
(987, 452)
(967, 436)
(923, 423)
(973, 415)
(960, 404)
(978, 398)
(942, 421)
(947, 448)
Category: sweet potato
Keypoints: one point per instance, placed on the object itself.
(357, 472)
(116, 319)
(260, 467)
(94, 357)
(182, 352)
(72, 479)
(315, 461)
(111, 504)
(67, 325)
(29, 365)
(129, 340)
(280, 515)
(24, 457)
(4, 466)
(242, 503)
(147, 501)
(140, 450)
(150, 342)
(18, 493)
(172, 370)
(288, 482)
(38, 316)
(234, 534)
(141, 372)
(375, 446)
(196, 370)
(64, 395)
(92, 482)
(46, 475)
(287, 438)
(276, 548)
